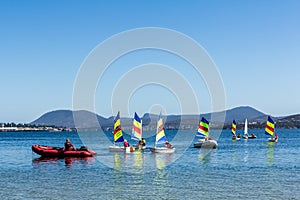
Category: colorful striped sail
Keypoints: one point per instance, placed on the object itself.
(203, 128)
(118, 133)
(233, 128)
(270, 127)
(136, 128)
(160, 132)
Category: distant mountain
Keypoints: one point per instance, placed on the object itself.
(61, 118)
(65, 118)
(89, 120)
(243, 112)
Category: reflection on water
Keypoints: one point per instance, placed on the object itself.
(117, 161)
(69, 161)
(270, 153)
(138, 159)
(129, 162)
(140, 162)
(233, 154)
(205, 156)
(246, 154)
(160, 180)
(160, 160)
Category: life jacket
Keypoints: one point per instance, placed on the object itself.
(126, 144)
(68, 145)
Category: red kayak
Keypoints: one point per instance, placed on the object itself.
(48, 151)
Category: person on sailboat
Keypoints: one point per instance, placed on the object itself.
(276, 136)
(140, 145)
(69, 146)
(168, 145)
(143, 142)
(126, 144)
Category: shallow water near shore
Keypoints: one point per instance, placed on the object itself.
(235, 170)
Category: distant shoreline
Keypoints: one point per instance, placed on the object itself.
(35, 129)
(14, 129)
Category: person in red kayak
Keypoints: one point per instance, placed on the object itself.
(69, 146)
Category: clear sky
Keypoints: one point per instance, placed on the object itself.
(255, 45)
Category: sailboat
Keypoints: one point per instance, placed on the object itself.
(161, 139)
(203, 131)
(118, 137)
(137, 132)
(233, 131)
(245, 136)
(270, 130)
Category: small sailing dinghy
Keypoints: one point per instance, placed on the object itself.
(203, 131)
(245, 136)
(161, 139)
(118, 137)
(233, 131)
(270, 130)
(137, 128)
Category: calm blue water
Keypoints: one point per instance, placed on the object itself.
(235, 170)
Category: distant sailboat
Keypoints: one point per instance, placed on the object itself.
(161, 139)
(203, 132)
(233, 131)
(270, 130)
(137, 131)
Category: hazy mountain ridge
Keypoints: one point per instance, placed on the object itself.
(89, 120)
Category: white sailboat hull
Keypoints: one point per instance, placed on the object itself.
(272, 140)
(121, 149)
(162, 150)
(129, 149)
(236, 138)
(116, 149)
(209, 144)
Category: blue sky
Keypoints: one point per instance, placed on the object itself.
(255, 45)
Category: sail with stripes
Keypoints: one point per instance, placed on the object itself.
(136, 128)
(233, 128)
(203, 129)
(118, 133)
(160, 132)
(270, 127)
